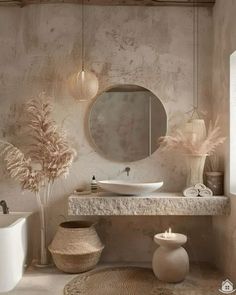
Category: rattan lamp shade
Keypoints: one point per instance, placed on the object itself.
(83, 85)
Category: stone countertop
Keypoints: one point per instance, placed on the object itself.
(106, 204)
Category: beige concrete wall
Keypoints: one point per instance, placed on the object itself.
(131, 238)
(224, 23)
(40, 45)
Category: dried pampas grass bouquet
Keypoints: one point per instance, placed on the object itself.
(186, 143)
(49, 150)
(195, 148)
(48, 157)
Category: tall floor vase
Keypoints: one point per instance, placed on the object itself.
(42, 201)
(43, 255)
(195, 167)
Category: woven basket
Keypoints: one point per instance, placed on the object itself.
(76, 247)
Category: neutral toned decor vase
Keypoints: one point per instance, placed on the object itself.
(195, 167)
(170, 261)
(215, 181)
(76, 247)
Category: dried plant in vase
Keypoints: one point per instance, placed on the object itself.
(49, 157)
(196, 150)
(213, 163)
(187, 143)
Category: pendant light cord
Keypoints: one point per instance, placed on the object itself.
(195, 58)
(195, 111)
(82, 27)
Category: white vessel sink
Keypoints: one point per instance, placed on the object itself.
(13, 249)
(123, 187)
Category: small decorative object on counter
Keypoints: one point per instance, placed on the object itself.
(198, 190)
(76, 247)
(81, 192)
(200, 186)
(191, 192)
(170, 261)
(205, 192)
(215, 181)
(94, 185)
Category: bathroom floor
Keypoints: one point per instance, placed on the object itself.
(205, 279)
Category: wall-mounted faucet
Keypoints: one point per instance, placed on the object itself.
(127, 170)
(5, 209)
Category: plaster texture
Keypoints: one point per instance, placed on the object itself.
(40, 46)
(224, 46)
(155, 204)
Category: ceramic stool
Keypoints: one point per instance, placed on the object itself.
(170, 261)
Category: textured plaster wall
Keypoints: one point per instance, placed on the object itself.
(40, 45)
(131, 238)
(224, 46)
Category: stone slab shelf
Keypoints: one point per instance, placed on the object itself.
(104, 204)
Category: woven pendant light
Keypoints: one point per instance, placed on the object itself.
(84, 84)
(195, 126)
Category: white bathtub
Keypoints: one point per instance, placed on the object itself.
(13, 248)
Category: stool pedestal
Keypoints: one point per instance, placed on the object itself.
(170, 261)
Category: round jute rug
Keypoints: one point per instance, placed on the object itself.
(117, 281)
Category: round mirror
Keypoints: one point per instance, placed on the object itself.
(125, 123)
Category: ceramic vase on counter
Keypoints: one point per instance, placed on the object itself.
(170, 261)
(195, 167)
(76, 247)
(195, 128)
(215, 181)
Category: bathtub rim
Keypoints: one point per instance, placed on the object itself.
(22, 216)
